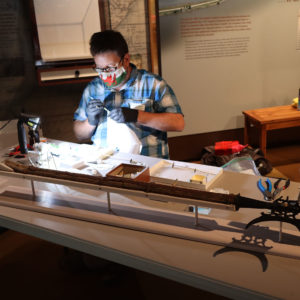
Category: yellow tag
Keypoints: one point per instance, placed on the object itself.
(198, 178)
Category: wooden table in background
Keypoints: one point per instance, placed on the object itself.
(270, 118)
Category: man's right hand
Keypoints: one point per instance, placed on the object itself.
(94, 110)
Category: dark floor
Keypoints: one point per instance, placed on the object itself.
(30, 267)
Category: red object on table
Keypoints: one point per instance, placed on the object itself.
(228, 147)
(17, 151)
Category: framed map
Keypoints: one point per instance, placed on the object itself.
(131, 18)
(62, 29)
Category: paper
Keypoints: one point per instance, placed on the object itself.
(122, 138)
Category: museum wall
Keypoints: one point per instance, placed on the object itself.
(235, 56)
(19, 89)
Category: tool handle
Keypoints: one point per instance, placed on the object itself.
(262, 188)
(22, 137)
(277, 183)
(269, 185)
(287, 184)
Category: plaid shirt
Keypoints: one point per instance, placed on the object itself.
(143, 91)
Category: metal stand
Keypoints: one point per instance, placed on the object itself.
(33, 190)
(196, 216)
(108, 201)
(280, 232)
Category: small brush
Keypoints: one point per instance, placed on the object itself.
(100, 106)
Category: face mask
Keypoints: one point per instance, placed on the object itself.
(112, 79)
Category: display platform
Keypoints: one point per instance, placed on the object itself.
(109, 173)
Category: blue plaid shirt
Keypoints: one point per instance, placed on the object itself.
(144, 91)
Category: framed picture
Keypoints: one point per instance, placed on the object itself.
(62, 30)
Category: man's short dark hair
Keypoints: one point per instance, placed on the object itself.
(108, 40)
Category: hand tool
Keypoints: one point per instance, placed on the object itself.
(33, 123)
(266, 191)
(278, 190)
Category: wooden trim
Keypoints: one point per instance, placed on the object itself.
(75, 66)
(63, 81)
(66, 64)
(70, 67)
(283, 124)
(35, 35)
(154, 39)
(104, 13)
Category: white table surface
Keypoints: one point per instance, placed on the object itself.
(236, 274)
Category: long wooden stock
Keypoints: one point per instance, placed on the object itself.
(127, 183)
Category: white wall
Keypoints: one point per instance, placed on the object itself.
(213, 92)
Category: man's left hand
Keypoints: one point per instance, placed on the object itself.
(124, 115)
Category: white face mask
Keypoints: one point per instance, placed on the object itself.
(112, 79)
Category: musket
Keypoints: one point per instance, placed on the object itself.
(282, 210)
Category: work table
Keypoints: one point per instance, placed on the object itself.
(205, 263)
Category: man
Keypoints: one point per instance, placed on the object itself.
(137, 98)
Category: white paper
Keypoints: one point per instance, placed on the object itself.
(121, 137)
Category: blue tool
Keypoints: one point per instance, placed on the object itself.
(266, 191)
